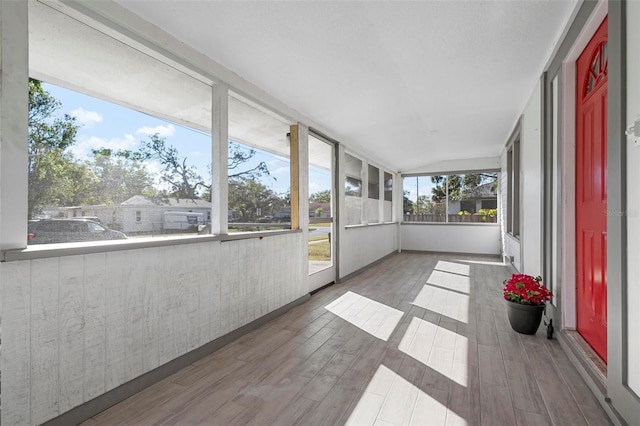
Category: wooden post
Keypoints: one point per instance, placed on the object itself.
(299, 138)
(295, 176)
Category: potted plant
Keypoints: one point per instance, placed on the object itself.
(526, 297)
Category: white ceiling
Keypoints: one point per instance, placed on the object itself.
(405, 83)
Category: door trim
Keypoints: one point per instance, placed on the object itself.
(329, 275)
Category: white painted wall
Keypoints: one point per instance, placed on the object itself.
(453, 238)
(531, 185)
(75, 327)
(363, 245)
(633, 197)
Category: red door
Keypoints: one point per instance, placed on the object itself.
(591, 192)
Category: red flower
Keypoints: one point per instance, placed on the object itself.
(526, 290)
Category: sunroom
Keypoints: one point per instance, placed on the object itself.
(303, 212)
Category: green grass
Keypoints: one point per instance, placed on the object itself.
(320, 251)
(320, 225)
(319, 238)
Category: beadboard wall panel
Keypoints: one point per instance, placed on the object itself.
(362, 245)
(76, 327)
(45, 340)
(71, 329)
(15, 284)
(95, 327)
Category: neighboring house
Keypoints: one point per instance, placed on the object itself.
(145, 215)
(482, 197)
(284, 214)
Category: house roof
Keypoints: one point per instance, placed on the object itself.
(140, 200)
(481, 192)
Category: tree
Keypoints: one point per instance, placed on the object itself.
(407, 204)
(450, 184)
(422, 205)
(118, 179)
(438, 192)
(183, 178)
(454, 184)
(250, 199)
(54, 176)
(239, 155)
(472, 180)
(321, 197)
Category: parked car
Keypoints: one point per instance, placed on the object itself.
(93, 218)
(51, 231)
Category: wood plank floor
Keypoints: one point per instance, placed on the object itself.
(416, 339)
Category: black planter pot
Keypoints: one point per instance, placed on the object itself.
(524, 319)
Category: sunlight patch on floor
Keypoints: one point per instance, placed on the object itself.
(390, 399)
(435, 347)
(454, 268)
(437, 298)
(375, 318)
(450, 281)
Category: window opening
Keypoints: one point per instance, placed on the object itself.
(353, 190)
(373, 201)
(259, 169)
(93, 159)
(452, 198)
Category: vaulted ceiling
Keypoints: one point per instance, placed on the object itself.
(406, 83)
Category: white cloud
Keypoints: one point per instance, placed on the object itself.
(280, 170)
(83, 148)
(314, 187)
(87, 118)
(168, 130)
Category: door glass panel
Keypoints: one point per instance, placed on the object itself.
(320, 205)
(595, 65)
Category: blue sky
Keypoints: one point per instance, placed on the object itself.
(423, 184)
(107, 125)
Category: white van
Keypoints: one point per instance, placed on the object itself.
(182, 221)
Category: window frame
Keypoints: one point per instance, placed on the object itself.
(360, 193)
(189, 65)
(514, 202)
(446, 202)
